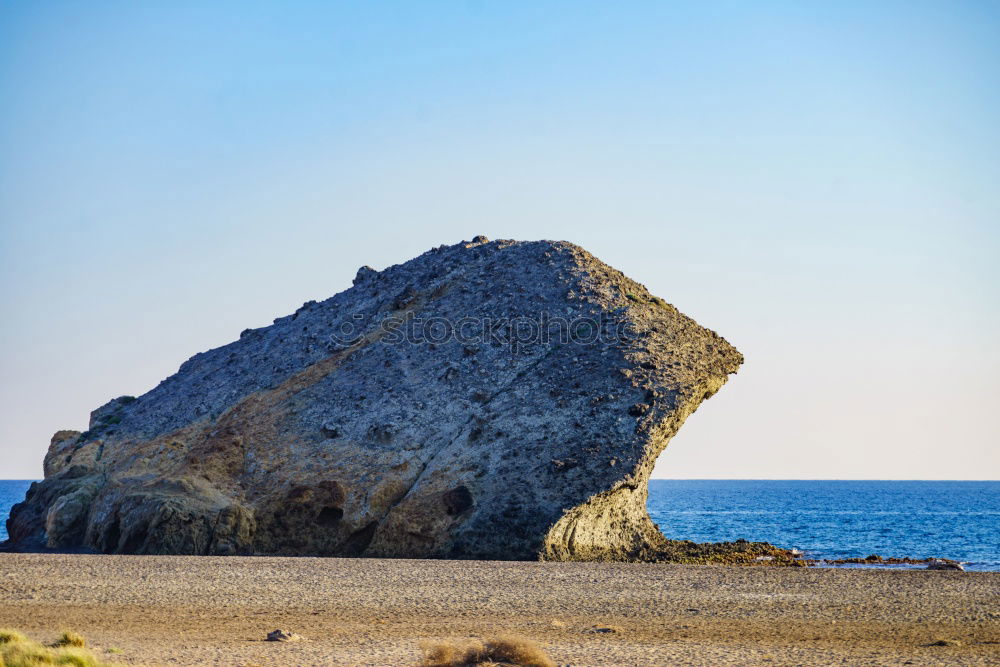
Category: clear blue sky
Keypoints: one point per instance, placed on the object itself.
(817, 181)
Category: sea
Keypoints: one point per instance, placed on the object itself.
(828, 520)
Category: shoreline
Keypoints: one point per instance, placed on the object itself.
(741, 553)
(217, 610)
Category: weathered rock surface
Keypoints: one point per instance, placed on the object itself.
(326, 433)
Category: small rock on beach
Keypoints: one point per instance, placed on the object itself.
(283, 636)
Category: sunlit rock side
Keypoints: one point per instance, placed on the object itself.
(327, 434)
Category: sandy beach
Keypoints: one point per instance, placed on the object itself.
(159, 610)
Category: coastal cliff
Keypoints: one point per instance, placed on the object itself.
(490, 399)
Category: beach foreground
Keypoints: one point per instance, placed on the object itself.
(183, 610)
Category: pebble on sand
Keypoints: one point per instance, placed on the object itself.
(945, 565)
(283, 636)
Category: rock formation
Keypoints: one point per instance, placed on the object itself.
(500, 400)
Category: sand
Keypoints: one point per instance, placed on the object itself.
(180, 610)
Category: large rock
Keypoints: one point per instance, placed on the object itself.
(358, 426)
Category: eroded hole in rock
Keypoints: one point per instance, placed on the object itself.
(112, 536)
(134, 541)
(457, 500)
(359, 540)
(329, 516)
(382, 434)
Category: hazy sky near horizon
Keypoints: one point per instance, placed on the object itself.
(818, 182)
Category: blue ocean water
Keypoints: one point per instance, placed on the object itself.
(838, 519)
(11, 492)
(826, 519)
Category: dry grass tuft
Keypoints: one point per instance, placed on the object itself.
(70, 638)
(507, 650)
(8, 636)
(16, 650)
(77, 657)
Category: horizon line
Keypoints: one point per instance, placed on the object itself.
(710, 479)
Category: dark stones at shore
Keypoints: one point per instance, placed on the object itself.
(875, 559)
(740, 552)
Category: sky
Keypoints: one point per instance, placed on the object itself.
(818, 182)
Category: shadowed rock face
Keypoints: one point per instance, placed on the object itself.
(358, 426)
